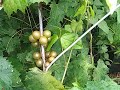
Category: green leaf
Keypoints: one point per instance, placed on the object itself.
(16, 81)
(59, 10)
(118, 51)
(21, 56)
(118, 15)
(15, 62)
(112, 5)
(68, 38)
(79, 69)
(54, 38)
(34, 1)
(107, 84)
(82, 9)
(98, 3)
(29, 56)
(10, 45)
(74, 88)
(100, 73)
(110, 37)
(38, 80)
(92, 12)
(77, 26)
(103, 25)
(116, 33)
(11, 6)
(5, 74)
(103, 49)
(68, 28)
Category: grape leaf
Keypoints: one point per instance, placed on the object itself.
(8, 27)
(58, 68)
(15, 62)
(16, 81)
(79, 69)
(10, 45)
(9, 77)
(68, 38)
(59, 10)
(38, 80)
(107, 84)
(23, 56)
(33, 1)
(5, 74)
(103, 25)
(11, 6)
(100, 73)
(76, 26)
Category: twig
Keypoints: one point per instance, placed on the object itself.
(109, 13)
(29, 18)
(32, 17)
(91, 51)
(20, 20)
(14, 35)
(41, 32)
(66, 67)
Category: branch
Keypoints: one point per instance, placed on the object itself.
(109, 13)
(66, 66)
(41, 32)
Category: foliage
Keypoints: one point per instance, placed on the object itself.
(80, 68)
(102, 85)
(14, 5)
(83, 67)
(8, 76)
(101, 79)
(69, 38)
(39, 80)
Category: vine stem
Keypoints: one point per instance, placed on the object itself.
(42, 50)
(66, 67)
(32, 17)
(14, 35)
(29, 18)
(109, 13)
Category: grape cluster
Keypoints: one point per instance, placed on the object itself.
(36, 39)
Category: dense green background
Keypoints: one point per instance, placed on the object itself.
(87, 61)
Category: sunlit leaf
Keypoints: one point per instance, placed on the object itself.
(38, 80)
(112, 5)
(103, 25)
(11, 6)
(81, 10)
(68, 38)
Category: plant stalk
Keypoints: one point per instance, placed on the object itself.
(66, 67)
(42, 50)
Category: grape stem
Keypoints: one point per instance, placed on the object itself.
(42, 50)
(84, 34)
